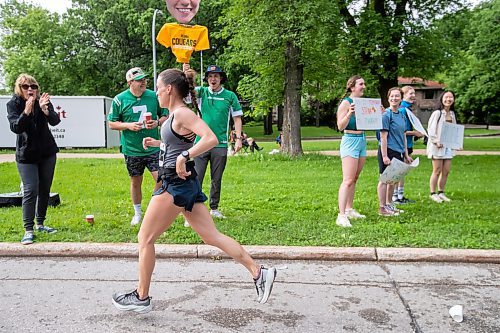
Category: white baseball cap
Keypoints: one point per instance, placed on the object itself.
(135, 74)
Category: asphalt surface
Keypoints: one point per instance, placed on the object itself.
(51, 294)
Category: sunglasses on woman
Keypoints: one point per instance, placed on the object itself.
(27, 86)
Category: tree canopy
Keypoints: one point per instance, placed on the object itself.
(473, 70)
(273, 54)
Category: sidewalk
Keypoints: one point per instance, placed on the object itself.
(421, 152)
(11, 157)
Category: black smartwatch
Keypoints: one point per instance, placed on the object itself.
(185, 154)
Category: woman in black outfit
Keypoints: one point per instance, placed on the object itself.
(29, 115)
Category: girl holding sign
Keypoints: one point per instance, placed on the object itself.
(441, 156)
(392, 146)
(352, 151)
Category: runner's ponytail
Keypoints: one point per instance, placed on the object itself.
(190, 76)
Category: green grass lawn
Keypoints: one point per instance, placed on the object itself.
(278, 201)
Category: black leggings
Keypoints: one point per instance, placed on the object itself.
(37, 180)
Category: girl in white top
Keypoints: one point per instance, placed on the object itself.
(441, 156)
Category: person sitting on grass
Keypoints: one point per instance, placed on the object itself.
(250, 143)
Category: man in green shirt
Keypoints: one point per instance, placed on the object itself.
(217, 106)
(129, 112)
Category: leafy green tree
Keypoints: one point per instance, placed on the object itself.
(387, 38)
(114, 36)
(276, 42)
(33, 41)
(86, 51)
(475, 73)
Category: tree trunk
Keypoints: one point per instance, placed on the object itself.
(317, 113)
(293, 85)
(383, 86)
(268, 123)
(280, 118)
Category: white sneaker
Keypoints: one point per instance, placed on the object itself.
(444, 197)
(136, 219)
(392, 207)
(217, 214)
(186, 223)
(386, 211)
(354, 214)
(436, 198)
(343, 221)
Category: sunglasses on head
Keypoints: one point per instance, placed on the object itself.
(27, 86)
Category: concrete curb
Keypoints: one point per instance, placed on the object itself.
(130, 250)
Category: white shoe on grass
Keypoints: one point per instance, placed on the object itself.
(217, 214)
(354, 214)
(343, 221)
(444, 197)
(136, 219)
(435, 197)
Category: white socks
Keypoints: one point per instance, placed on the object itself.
(136, 219)
(137, 210)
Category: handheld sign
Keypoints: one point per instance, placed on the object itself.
(183, 39)
(368, 112)
(452, 136)
(397, 170)
(417, 125)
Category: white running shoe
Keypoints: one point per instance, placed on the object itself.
(186, 223)
(217, 214)
(131, 302)
(136, 219)
(436, 198)
(444, 197)
(385, 211)
(264, 284)
(343, 221)
(392, 207)
(354, 214)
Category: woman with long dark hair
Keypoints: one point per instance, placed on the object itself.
(440, 155)
(180, 192)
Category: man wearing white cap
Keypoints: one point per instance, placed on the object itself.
(136, 113)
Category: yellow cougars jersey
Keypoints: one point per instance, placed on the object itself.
(183, 39)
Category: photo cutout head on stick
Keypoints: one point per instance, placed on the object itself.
(183, 11)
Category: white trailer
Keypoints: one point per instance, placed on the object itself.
(83, 123)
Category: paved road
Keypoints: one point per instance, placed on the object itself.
(196, 295)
